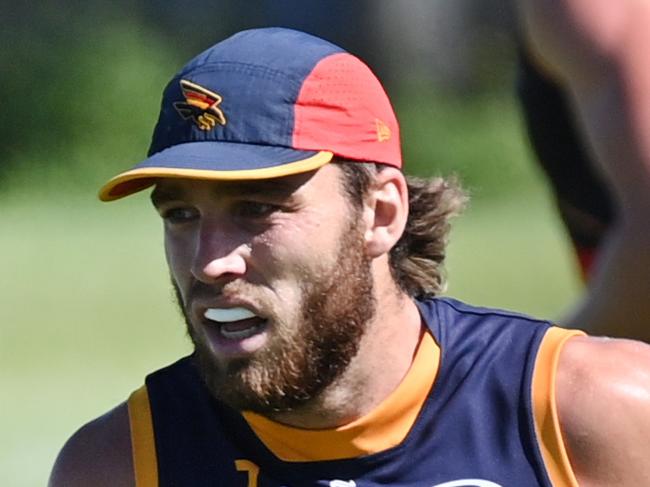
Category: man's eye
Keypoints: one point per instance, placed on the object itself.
(179, 215)
(255, 209)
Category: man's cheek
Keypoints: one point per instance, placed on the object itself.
(181, 278)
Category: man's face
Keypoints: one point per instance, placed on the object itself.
(273, 280)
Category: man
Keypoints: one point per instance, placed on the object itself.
(306, 266)
(591, 62)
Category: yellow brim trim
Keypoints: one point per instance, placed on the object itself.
(135, 180)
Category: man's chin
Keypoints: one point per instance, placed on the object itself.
(241, 385)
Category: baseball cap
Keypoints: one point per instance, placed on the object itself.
(261, 104)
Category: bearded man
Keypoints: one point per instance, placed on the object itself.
(308, 268)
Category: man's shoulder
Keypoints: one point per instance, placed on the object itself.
(614, 366)
(98, 454)
(603, 400)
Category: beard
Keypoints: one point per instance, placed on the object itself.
(307, 354)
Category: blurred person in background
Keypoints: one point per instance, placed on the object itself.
(307, 267)
(585, 89)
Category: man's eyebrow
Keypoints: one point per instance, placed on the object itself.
(279, 188)
(160, 195)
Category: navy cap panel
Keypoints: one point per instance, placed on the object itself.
(258, 76)
(256, 102)
(232, 156)
(273, 47)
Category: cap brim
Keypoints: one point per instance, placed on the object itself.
(218, 161)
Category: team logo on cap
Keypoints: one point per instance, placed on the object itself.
(383, 131)
(200, 105)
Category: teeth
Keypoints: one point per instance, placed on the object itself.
(228, 315)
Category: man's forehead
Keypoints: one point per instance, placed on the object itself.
(177, 188)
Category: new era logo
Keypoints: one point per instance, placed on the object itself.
(383, 131)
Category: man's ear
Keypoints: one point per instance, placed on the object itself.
(385, 211)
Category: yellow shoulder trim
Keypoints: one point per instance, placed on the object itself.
(381, 429)
(547, 423)
(143, 445)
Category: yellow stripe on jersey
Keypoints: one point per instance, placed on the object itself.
(385, 427)
(143, 445)
(547, 423)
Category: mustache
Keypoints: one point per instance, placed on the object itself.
(199, 290)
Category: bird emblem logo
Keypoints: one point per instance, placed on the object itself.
(201, 105)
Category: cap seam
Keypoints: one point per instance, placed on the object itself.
(250, 68)
(227, 140)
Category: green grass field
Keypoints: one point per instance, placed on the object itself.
(87, 309)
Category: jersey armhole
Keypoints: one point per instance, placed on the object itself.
(545, 416)
(143, 445)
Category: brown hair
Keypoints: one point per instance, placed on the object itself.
(417, 259)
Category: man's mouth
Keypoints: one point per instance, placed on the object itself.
(235, 323)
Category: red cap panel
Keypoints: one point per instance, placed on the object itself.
(343, 108)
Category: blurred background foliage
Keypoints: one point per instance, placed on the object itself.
(86, 306)
(82, 81)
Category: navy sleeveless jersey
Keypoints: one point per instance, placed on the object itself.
(475, 429)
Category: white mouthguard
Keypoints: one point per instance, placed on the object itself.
(227, 315)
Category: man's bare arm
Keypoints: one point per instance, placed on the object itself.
(99, 454)
(603, 399)
(598, 50)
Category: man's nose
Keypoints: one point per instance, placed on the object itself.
(220, 255)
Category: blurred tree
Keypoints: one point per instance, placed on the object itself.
(459, 46)
(80, 84)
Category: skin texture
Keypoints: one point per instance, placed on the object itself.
(98, 454)
(598, 50)
(603, 400)
(315, 310)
